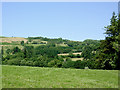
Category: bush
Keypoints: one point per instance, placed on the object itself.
(80, 64)
(71, 55)
(13, 62)
(22, 43)
(4, 62)
(34, 42)
(8, 51)
(8, 57)
(55, 63)
(68, 59)
(68, 64)
(29, 63)
(23, 62)
(15, 50)
(78, 56)
(35, 63)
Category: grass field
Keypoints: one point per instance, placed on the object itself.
(66, 54)
(10, 39)
(75, 59)
(38, 77)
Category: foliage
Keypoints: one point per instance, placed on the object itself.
(68, 64)
(55, 63)
(28, 51)
(87, 51)
(35, 42)
(15, 50)
(80, 64)
(8, 51)
(22, 43)
(109, 50)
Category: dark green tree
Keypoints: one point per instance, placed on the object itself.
(28, 51)
(22, 43)
(8, 51)
(109, 48)
(15, 50)
(87, 52)
(68, 64)
(80, 64)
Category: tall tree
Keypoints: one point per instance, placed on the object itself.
(118, 38)
(109, 48)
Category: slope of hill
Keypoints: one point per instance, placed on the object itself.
(12, 39)
(53, 52)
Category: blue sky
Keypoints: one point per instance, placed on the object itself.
(70, 20)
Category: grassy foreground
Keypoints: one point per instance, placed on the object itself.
(38, 77)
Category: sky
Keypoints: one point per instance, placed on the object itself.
(69, 20)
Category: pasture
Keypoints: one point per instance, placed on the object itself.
(12, 39)
(42, 77)
(66, 54)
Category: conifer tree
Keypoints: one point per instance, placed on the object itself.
(109, 48)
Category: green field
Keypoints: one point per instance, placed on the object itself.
(38, 77)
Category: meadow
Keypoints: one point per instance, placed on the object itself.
(42, 77)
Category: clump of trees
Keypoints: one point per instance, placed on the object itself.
(41, 56)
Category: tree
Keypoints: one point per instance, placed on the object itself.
(29, 39)
(80, 64)
(55, 63)
(28, 51)
(22, 43)
(118, 52)
(108, 57)
(15, 50)
(68, 64)
(87, 52)
(78, 56)
(8, 51)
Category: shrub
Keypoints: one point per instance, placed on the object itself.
(29, 63)
(55, 63)
(34, 42)
(13, 62)
(68, 64)
(23, 62)
(80, 64)
(22, 43)
(35, 63)
(78, 56)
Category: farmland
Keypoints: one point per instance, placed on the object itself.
(40, 77)
(19, 51)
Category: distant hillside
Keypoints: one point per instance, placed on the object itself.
(77, 46)
(12, 39)
(47, 52)
(35, 41)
